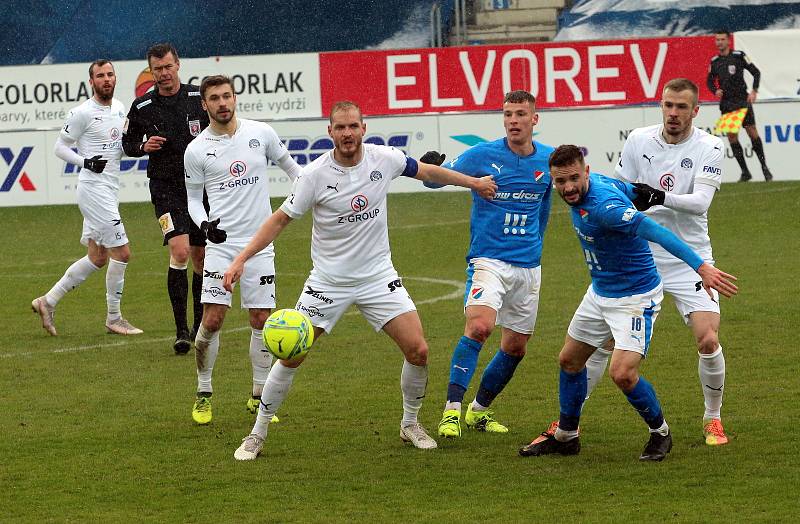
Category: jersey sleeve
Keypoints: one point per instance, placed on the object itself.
(74, 127)
(275, 149)
(750, 66)
(193, 169)
(397, 160)
(133, 133)
(464, 163)
(302, 197)
(710, 169)
(618, 215)
(626, 167)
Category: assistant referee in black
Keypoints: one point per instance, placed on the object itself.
(726, 80)
(161, 123)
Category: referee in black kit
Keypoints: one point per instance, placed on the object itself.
(726, 81)
(161, 123)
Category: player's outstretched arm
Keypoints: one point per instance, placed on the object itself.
(435, 158)
(484, 186)
(268, 232)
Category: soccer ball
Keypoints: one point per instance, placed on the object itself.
(288, 334)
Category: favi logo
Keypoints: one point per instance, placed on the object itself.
(16, 165)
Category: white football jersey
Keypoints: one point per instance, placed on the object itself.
(233, 170)
(674, 168)
(97, 130)
(350, 235)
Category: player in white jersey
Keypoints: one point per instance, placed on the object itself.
(95, 127)
(677, 169)
(346, 190)
(229, 160)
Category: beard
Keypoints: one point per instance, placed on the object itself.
(104, 94)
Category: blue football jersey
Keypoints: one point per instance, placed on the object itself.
(511, 226)
(605, 221)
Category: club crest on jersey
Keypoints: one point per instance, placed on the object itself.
(194, 127)
(375, 176)
(254, 143)
(731, 69)
(584, 214)
(359, 203)
(114, 133)
(476, 292)
(686, 163)
(537, 175)
(238, 168)
(667, 182)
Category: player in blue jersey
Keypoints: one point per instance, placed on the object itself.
(622, 302)
(503, 273)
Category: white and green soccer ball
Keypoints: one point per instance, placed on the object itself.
(288, 334)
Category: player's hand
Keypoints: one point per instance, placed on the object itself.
(232, 274)
(714, 278)
(433, 157)
(485, 186)
(154, 143)
(751, 97)
(212, 232)
(95, 164)
(718, 93)
(647, 197)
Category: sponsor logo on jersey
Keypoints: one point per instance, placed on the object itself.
(667, 182)
(628, 214)
(375, 176)
(254, 143)
(524, 196)
(359, 203)
(538, 175)
(713, 170)
(16, 164)
(687, 163)
(194, 127)
(360, 217)
(318, 294)
(237, 168)
(584, 214)
(476, 292)
(305, 150)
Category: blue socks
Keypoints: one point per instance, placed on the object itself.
(643, 398)
(462, 367)
(571, 395)
(496, 376)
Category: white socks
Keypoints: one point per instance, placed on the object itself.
(115, 281)
(73, 277)
(711, 369)
(277, 387)
(413, 381)
(205, 353)
(261, 360)
(595, 367)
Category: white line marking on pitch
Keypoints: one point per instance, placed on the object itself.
(136, 340)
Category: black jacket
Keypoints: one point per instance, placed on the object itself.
(178, 118)
(727, 73)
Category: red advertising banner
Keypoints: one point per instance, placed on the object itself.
(560, 74)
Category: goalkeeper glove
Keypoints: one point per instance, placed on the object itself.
(647, 197)
(212, 233)
(95, 164)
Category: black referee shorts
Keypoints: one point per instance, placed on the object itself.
(172, 211)
(728, 106)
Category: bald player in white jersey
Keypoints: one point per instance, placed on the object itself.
(346, 190)
(677, 169)
(229, 160)
(95, 128)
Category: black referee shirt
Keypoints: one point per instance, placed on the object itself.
(178, 118)
(727, 73)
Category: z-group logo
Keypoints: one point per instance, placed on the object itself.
(305, 150)
(16, 164)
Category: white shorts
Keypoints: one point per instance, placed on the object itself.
(378, 300)
(257, 282)
(686, 287)
(101, 219)
(510, 290)
(629, 320)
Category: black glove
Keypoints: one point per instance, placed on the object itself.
(209, 229)
(432, 157)
(95, 164)
(647, 197)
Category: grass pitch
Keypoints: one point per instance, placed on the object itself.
(97, 427)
